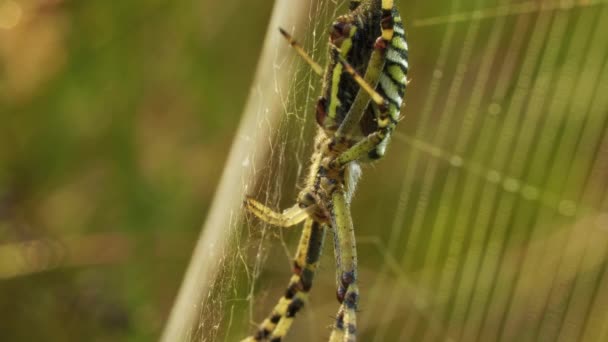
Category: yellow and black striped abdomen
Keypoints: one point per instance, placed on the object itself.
(358, 37)
(393, 79)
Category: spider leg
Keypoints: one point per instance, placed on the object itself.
(345, 250)
(372, 146)
(362, 99)
(373, 72)
(276, 326)
(287, 218)
(392, 82)
(387, 112)
(300, 50)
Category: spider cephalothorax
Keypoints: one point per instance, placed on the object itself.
(363, 88)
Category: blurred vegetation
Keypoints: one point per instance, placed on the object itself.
(116, 118)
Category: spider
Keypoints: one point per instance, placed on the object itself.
(356, 116)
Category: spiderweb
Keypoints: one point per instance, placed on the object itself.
(488, 218)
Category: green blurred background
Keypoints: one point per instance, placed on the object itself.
(486, 221)
(116, 117)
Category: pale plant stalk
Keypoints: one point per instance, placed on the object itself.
(248, 153)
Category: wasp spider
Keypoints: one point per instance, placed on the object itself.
(363, 88)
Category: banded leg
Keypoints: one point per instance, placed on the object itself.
(345, 250)
(300, 50)
(287, 218)
(310, 247)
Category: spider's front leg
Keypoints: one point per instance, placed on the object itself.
(306, 260)
(286, 218)
(345, 250)
(384, 83)
(372, 146)
(277, 324)
(386, 111)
